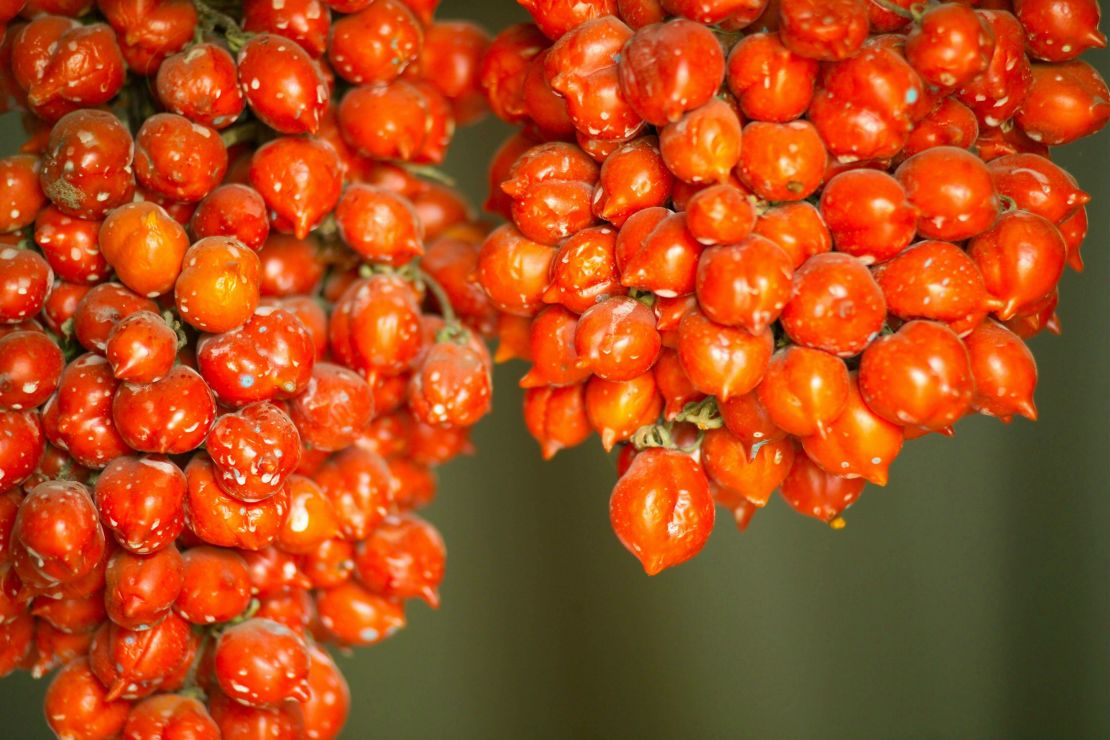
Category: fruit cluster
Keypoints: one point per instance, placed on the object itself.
(761, 244)
(237, 336)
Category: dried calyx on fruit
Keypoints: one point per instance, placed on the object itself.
(758, 246)
(238, 335)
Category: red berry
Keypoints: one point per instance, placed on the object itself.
(201, 84)
(661, 510)
(282, 84)
(262, 663)
(141, 502)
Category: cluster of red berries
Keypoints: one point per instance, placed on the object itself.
(237, 335)
(760, 244)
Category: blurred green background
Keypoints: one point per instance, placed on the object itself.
(969, 599)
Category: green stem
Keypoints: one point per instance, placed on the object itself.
(431, 173)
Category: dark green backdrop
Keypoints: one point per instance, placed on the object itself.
(969, 599)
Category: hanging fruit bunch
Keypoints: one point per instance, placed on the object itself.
(759, 245)
(237, 336)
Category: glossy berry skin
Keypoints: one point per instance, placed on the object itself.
(917, 377)
(452, 385)
(556, 417)
(233, 210)
(261, 663)
(237, 720)
(1066, 102)
(661, 84)
(179, 159)
(770, 82)
(811, 491)
(215, 585)
(555, 359)
(141, 348)
(98, 175)
(1038, 185)
(25, 281)
(1004, 370)
(720, 214)
(858, 443)
(935, 280)
(220, 519)
(753, 474)
(558, 17)
(140, 590)
(201, 84)
(352, 615)
(868, 215)
(169, 416)
(723, 361)
(804, 390)
(797, 228)
(282, 84)
(218, 287)
(377, 44)
(145, 246)
(312, 518)
(78, 418)
(782, 161)
(70, 246)
(135, 663)
(254, 450)
(58, 525)
(404, 558)
(505, 67)
(999, 91)
(950, 45)
(837, 306)
(704, 144)
(950, 123)
(376, 327)
(866, 105)
(380, 225)
(661, 509)
(825, 31)
(745, 284)
(324, 422)
(657, 253)
(271, 356)
(141, 502)
(170, 715)
(77, 705)
(513, 270)
(299, 179)
(632, 178)
(617, 339)
(30, 369)
(385, 121)
(83, 68)
(358, 483)
(149, 30)
(21, 198)
(952, 191)
(551, 187)
(581, 67)
(1021, 259)
(305, 21)
(325, 711)
(98, 311)
(1059, 31)
(617, 409)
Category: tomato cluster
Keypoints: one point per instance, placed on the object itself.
(237, 337)
(758, 245)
